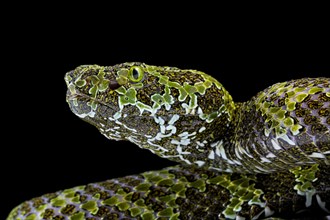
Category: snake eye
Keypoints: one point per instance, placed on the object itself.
(135, 74)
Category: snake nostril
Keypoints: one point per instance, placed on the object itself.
(114, 85)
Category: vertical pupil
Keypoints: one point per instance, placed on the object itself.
(135, 74)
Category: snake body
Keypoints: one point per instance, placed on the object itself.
(266, 157)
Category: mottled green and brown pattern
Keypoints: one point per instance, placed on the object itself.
(181, 193)
(268, 157)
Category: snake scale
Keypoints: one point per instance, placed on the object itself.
(264, 158)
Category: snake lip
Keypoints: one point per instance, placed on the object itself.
(81, 96)
(71, 96)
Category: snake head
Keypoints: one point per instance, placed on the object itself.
(172, 112)
(94, 92)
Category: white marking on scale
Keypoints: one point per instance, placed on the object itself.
(185, 141)
(167, 107)
(186, 107)
(228, 170)
(216, 168)
(109, 129)
(199, 111)
(268, 211)
(200, 144)
(83, 115)
(152, 151)
(184, 138)
(244, 151)
(270, 155)
(162, 129)
(264, 159)
(182, 142)
(180, 156)
(321, 204)
(185, 160)
(161, 121)
(118, 122)
(201, 129)
(326, 152)
(179, 150)
(287, 139)
(211, 155)
(193, 111)
(267, 132)
(174, 119)
(141, 106)
(217, 151)
(132, 139)
(158, 146)
(200, 163)
(237, 162)
(172, 128)
(214, 144)
(222, 153)
(276, 145)
(183, 134)
(258, 169)
(258, 215)
(309, 195)
(117, 115)
(159, 136)
(316, 155)
(237, 153)
(115, 135)
(125, 126)
(154, 111)
(239, 217)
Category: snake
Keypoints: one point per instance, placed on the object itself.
(264, 158)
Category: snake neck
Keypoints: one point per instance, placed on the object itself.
(284, 126)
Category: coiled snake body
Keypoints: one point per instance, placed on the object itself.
(268, 157)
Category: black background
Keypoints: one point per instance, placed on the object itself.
(46, 148)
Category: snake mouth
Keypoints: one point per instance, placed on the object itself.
(76, 95)
(72, 97)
